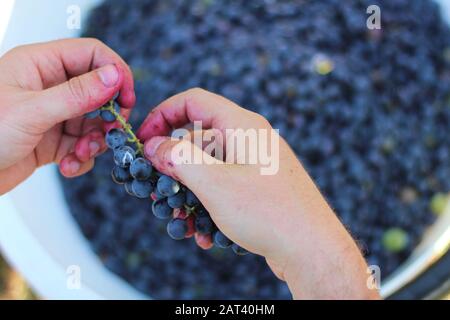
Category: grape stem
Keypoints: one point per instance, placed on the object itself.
(189, 210)
(126, 127)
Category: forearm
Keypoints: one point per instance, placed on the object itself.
(329, 272)
(326, 263)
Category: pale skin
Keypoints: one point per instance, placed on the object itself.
(46, 88)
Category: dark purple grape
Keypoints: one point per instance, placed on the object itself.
(221, 241)
(93, 114)
(107, 116)
(128, 188)
(124, 156)
(177, 201)
(161, 209)
(142, 189)
(239, 250)
(177, 229)
(116, 138)
(167, 186)
(204, 224)
(191, 199)
(141, 169)
(120, 175)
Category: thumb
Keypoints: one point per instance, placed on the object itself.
(185, 162)
(79, 95)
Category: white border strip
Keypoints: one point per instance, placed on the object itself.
(6, 8)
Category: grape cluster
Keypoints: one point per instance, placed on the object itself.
(170, 199)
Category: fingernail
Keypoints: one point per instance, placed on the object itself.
(74, 167)
(152, 145)
(94, 147)
(109, 75)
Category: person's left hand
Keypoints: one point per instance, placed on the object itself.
(45, 89)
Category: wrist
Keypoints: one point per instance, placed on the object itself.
(328, 269)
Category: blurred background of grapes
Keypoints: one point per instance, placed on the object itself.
(12, 285)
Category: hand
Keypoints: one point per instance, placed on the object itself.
(282, 217)
(45, 89)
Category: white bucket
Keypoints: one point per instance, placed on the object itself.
(38, 235)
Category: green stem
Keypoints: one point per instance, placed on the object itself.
(190, 210)
(126, 127)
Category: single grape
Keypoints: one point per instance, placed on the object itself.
(438, 203)
(115, 138)
(93, 114)
(395, 240)
(191, 199)
(128, 188)
(204, 224)
(161, 209)
(221, 241)
(120, 175)
(124, 156)
(190, 220)
(177, 201)
(141, 169)
(180, 214)
(201, 212)
(239, 250)
(107, 116)
(142, 189)
(177, 229)
(167, 186)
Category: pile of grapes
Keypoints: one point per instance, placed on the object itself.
(366, 111)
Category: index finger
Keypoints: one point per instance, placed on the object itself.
(214, 111)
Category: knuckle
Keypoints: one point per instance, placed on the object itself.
(180, 153)
(20, 48)
(184, 145)
(16, 51)
(96, 42)
(78, 92)
(176, 152)
(261, 120)
(196, 91)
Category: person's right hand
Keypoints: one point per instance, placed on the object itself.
(282, 217)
